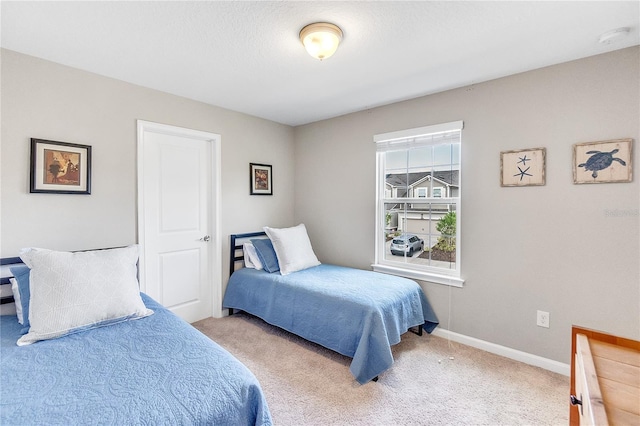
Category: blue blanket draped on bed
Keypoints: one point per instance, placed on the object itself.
(357, 313)
(155, 370)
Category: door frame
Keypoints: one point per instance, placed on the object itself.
(214, 207)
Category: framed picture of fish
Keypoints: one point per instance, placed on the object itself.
(60, 167)
(524, 167)
(603, 161)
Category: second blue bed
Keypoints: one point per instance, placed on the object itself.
(357, 313)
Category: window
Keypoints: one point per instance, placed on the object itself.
(418, 203)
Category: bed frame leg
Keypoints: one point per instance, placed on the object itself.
(375, 379)
(230, 311)
(418, 332)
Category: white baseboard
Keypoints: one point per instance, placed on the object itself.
(527, 358)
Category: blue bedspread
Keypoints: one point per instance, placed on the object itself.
(357, 313)
(156, 370)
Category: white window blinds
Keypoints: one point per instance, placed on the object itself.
(444, 133)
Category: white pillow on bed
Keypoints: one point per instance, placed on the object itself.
(72, 292)
(293, 248)
(251, 259)
(16, 298)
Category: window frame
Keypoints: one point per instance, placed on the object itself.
(433, 274)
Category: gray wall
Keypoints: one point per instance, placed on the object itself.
(45, 100)
(571, 250)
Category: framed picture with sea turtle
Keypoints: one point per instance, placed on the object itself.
(60, 167)
(524, 167)
(602, 161)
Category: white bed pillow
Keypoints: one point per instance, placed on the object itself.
(293, 248)
(72, 292)
(16, 298)
(251, 259)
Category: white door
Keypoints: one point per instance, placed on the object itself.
(178, 179)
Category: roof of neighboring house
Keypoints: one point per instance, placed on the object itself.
(403, 180)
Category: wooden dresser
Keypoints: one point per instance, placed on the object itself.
(605, 379)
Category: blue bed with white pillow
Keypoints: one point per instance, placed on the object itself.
(84, 346)
(357, 313)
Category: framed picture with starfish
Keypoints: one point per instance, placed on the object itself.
(602, 162)
(525, 167)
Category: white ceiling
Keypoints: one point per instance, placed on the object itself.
(246, 56)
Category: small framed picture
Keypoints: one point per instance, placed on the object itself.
(525, 167)
(60, 167)
(260, 179)
(602, 162)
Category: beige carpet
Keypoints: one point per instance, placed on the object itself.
(306, 384)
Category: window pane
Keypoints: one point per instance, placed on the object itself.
(396, 175)
(447, 178)
(421, 236)
(442, 155)
(392, 213)
(455, 155)
(396, 161)
(419, 158)
(442, 242)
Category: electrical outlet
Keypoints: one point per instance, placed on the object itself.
(543, 319)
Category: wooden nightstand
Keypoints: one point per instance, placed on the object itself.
(605, 379)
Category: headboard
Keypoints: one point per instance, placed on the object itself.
(7, 304)
(236, 245)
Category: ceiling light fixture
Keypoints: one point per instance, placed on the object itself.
(321, 39)
(614, 35)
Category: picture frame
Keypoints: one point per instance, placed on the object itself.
(260, 179)
(524, 167)
(60, 167)
(608, 161)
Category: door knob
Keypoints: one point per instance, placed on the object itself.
(205, 238)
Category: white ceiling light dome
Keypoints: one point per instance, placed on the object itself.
(321, 39)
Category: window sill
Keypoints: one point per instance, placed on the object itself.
(419, 275)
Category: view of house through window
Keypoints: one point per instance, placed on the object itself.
(418, 199)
